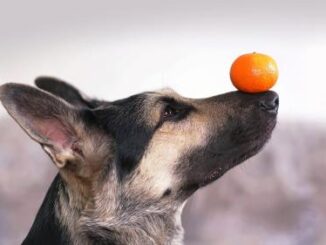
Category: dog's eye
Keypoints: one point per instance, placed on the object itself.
(174, 111)
(170, 112)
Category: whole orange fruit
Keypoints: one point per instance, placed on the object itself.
(254, 73)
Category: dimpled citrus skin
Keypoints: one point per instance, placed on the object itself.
(254, 73)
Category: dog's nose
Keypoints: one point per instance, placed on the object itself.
(269, 102)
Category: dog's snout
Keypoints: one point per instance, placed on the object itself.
(269, 102)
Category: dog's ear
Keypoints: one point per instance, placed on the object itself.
(58, 126)
(65, 91)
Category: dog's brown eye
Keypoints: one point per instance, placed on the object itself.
(174, 111)
(169, 111)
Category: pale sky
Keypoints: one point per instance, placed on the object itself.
(111, 50)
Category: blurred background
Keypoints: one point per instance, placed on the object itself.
(112, 49)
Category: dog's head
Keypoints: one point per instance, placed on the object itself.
(154, 147)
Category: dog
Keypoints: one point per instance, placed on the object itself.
(127, 167)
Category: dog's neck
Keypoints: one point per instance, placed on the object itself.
(136, 228)
(60, 222)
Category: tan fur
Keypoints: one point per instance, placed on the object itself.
(167, 145)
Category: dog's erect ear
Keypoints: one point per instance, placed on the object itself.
(65, 91)
(52, 122)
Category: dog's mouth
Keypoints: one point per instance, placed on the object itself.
(224, 166)
(248, 145)
(211, 162)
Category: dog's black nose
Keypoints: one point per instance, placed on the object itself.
(269, 102)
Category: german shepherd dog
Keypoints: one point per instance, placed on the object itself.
(127, 167)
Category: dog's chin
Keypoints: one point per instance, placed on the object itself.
(235, 156)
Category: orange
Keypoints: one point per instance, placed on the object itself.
(254, 73)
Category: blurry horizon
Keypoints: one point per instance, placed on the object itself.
(276, 197)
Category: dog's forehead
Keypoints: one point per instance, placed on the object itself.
(166, 92)
(146, 99)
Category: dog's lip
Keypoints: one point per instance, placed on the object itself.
(215, 174)
(223, 167)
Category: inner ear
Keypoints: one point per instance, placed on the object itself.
(46, 119)
(54, 132)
